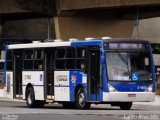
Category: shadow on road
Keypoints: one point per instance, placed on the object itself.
(60, 107)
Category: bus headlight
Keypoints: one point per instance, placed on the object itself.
(149, 89)
(111, 88)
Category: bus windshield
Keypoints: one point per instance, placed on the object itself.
(128, 66)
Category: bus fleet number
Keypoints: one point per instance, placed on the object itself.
(27, 77)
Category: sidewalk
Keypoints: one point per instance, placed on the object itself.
(2, 93)
(11, 100)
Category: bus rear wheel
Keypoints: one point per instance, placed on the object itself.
(126, 106)
(30, 98)
(81, 100)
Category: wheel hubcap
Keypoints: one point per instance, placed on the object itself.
(81, 99)
(30, 98)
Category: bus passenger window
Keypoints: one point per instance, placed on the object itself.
(38, 64)
(60, 64)
(9, 65)
(38, 54)
(28, 54)
(60, 58)
(28, 60)
(81, 64)
(9, 61)
(38, 59)
(28, 64)
(81, 52)
(9, 55)
(71, 52)
(70, 64)
(60, 53)
(81, 58)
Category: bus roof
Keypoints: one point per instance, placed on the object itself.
(75, 43)
(54, 44)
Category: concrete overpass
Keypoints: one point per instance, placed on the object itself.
(147, 8)
(73, 18)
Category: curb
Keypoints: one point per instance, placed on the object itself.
(11, 100)
(147, 103)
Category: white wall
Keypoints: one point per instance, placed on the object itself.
(148, 29)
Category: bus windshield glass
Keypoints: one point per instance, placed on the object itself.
(128, 66)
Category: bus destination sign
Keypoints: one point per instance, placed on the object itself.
(125, 46)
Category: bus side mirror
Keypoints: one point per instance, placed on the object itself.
(102, 59)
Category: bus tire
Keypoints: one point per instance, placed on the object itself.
(30, 98)
(81, 100)
(126, 106)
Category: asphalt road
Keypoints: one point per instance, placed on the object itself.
(19, 111)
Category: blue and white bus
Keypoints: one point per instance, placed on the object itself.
(79, 73)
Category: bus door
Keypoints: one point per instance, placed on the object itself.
(49, 73)
(94, 73)
(17, 73)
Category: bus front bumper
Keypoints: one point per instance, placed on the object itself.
(128, 96)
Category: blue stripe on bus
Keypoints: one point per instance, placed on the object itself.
(61, 86)
(85, 43)
(33, 85)
(54, 85)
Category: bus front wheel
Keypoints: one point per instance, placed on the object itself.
(126, 106)
(81, 100)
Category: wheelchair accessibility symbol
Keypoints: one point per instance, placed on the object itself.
(134, 76)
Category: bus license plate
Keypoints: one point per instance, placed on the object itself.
(131, 95)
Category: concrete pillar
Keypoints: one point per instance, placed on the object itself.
(57, 29)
